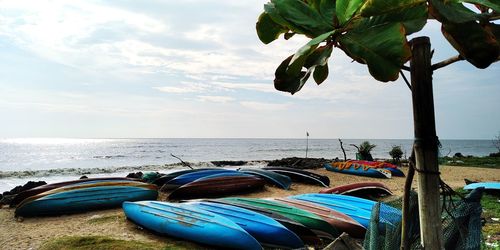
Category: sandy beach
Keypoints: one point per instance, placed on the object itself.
(31, 233)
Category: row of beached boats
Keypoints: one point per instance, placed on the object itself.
(244, 223)
(250, 223)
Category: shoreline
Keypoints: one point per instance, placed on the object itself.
(31, 233)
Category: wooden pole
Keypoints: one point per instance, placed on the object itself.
(426, 144)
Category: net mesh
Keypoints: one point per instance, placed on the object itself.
(461, 222)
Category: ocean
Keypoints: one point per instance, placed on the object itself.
(57, 159)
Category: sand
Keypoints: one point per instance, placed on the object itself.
(31, 233)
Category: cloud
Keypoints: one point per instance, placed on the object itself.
(218, 99)
(263, 106)
(184, 87)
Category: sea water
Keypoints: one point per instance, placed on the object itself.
(57, 159)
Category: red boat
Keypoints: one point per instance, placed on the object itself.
(217, 187)
(360, 189)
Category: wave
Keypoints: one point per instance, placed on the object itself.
(110, 170)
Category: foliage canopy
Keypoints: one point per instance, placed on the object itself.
(374, 32)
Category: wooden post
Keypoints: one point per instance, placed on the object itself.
(426, 144)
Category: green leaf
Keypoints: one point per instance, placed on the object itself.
(345, 9)
(320, 73)
(286, 82)
(267, 29)
(299, 58)
(272, 11)
(381, 7)
(476, 44)
(303, 18)
(383, 48)
(451, 11)
(494, 5)
(413, 19)
(327, 10)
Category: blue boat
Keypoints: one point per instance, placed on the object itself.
(360, 215)
(395, 172)
(279, 180)
(192, 176)
(85, 197)
(485, 185)
(358, 169)
(189, 223)
(265, 229)
(388, 215)
(224, 174)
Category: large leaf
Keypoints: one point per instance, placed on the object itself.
(475, 43)
(286, 82)
(413, 19)
(320, 73)
(299, 58)
(327, 10)
(318, 61)
(494, 5)
(306, 18)
(345, 9)
(383, 48)
(381, 7)
(451, 11)
(272, 11)
(267, 29)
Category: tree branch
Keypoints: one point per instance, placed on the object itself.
(447, 62)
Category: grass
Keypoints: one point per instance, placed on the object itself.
(471, 161)
(96, 243)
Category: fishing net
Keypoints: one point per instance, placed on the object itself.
(461, 222)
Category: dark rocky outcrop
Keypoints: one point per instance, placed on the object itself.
(137, 175)
(7, 196)
(229, 163)
(299, 163)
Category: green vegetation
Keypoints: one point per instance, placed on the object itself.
(471, 161)
(364, 151)
(396, 153)
(96, 243)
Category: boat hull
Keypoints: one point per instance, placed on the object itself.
(337, 219)
(217, 187)
(266, 230)
(301, 175)
(360, 189)
(318, 225)
(357, 169)
(44, 188)
(192, 176)
(278, 180)
(189, 223)
(85, 197)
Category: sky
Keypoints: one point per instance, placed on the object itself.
(196, 69)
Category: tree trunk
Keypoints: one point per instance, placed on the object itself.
(426, 144)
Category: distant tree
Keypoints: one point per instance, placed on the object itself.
(396, 153)
(364, 151)
(496, 143)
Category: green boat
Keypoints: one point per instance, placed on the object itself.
(319, 226)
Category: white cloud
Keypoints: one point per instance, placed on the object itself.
(218, 99)
(263, 106)
(184, 87)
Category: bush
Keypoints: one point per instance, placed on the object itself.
(396, 153)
